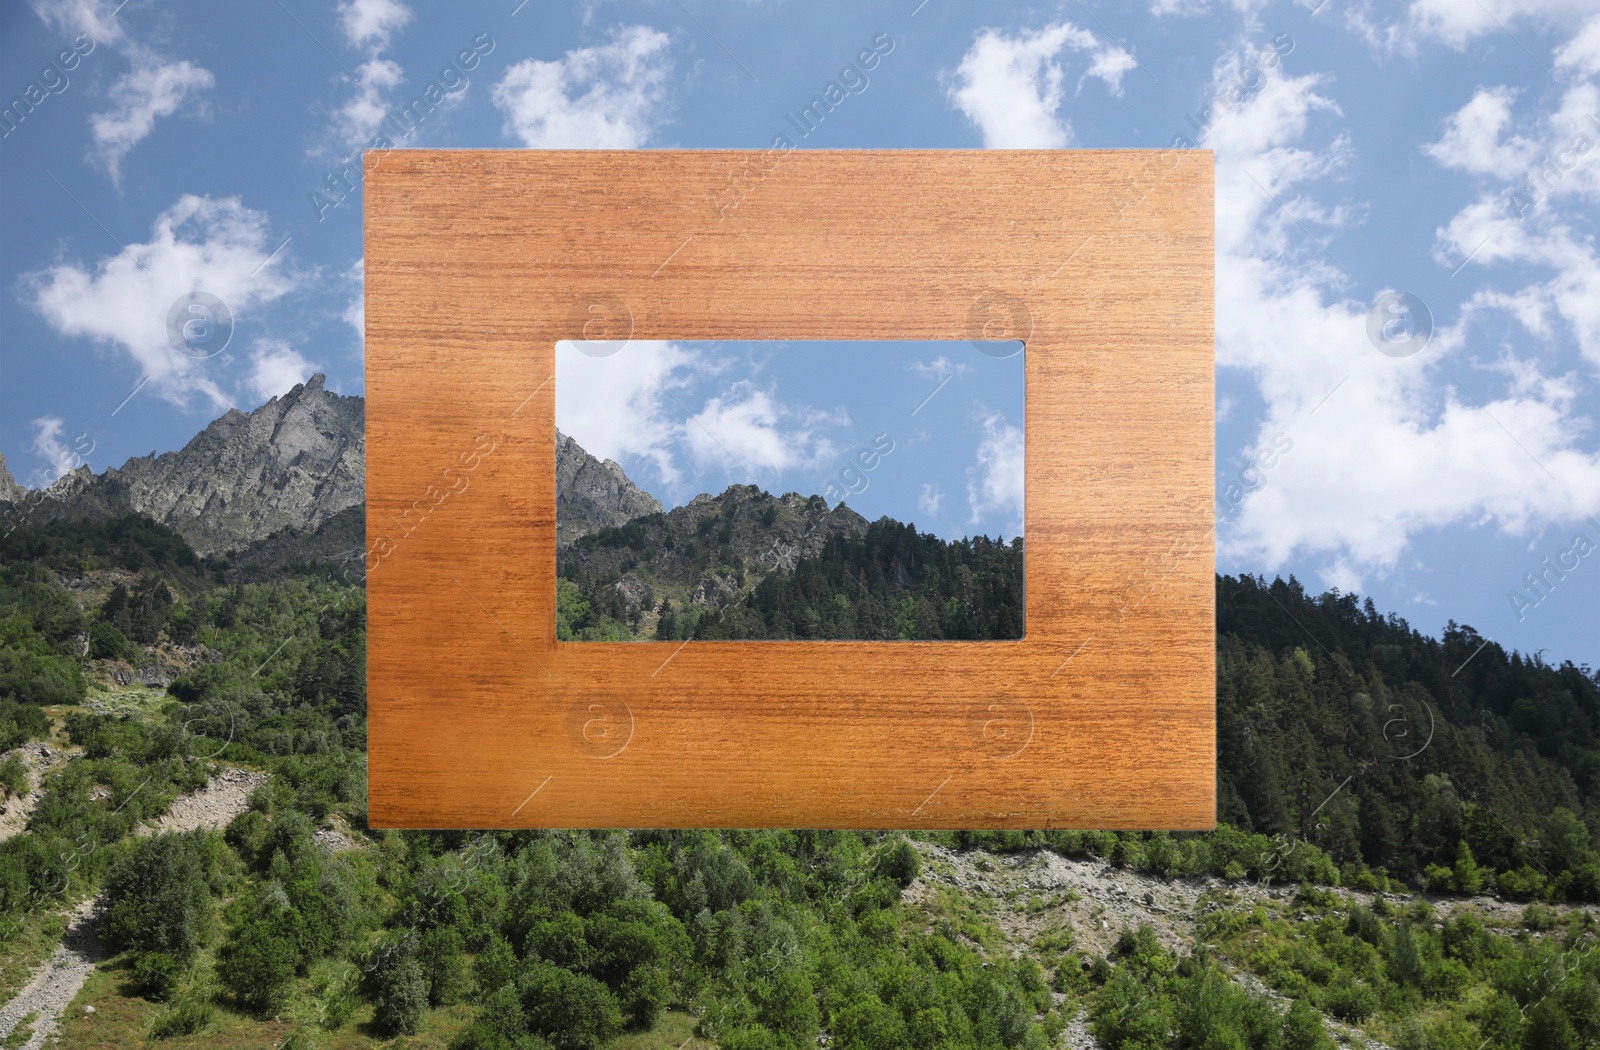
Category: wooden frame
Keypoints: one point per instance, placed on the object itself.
(478, 261)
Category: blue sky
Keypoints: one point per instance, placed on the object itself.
(1446, 151)
(925, 432)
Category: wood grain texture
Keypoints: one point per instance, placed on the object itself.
(478, 261)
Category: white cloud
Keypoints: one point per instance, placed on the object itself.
(939, 368)
(93, 18)
(994, 482)
(369, 26)
(1471, 141)
(1191, 8)
(152, 89)
(929, 498)
(1011, 87)
(372, 22)
(275, 368)
(618, 405)
(1402, 444)
(199, 244)
(605, 97)
(1522, 215)
(356, 122)
(58, 457)
(1582, 52)
(745, 429)
(1456, 23)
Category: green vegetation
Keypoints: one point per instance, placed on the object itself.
(1372, 765)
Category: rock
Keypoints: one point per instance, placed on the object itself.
(591, 495)
(88, 1009)
(714, 549)
(10, 491)
(294, 462)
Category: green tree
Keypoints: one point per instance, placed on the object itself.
(159, 896)
(397, 983)
(574, 1011)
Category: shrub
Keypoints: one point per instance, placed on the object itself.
(13, 777)
(397, 983)
(157, 974)
(160, 896)
(901, 862)
(258, 964)
(185, 1017)
(574, 1010)
(1350, 1000)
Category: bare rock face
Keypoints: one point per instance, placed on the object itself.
(293, 463)
(10, 491)
(716, 547)
(591, 495)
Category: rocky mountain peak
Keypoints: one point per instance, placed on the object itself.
(591, 494)
(293, 463)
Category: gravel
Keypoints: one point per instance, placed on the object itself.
(61, 978)
(58, 982)
(40, 760)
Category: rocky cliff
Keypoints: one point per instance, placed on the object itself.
(10, 491)
(293, 463)
(286, 484)
(591, 494)
(713, 549)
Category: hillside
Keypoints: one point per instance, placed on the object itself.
(1405, 855)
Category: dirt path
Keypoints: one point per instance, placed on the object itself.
(213, 806)
(58, 982)
(41, 760)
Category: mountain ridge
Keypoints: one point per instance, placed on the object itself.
(286, 482)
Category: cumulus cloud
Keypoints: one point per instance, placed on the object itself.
(1581, 54)
(275, 368)
(152, 89)
(216, 246)
(1381, 447)
(1523, 214)
(1472, 139)
(372, 22)
(1456, 24)
(622, 404)
(929, 499)
(605, 97)
(1012, 87)
(749, 429)
(994, 481)
(369, 26)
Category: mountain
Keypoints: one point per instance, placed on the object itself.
(285, 485)
(294, 462)
(707, 553)
(10, 491)
(591, 495)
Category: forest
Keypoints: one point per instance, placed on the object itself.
(892, 583)
(1382, 783)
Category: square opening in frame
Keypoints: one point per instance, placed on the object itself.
(1102, 715)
